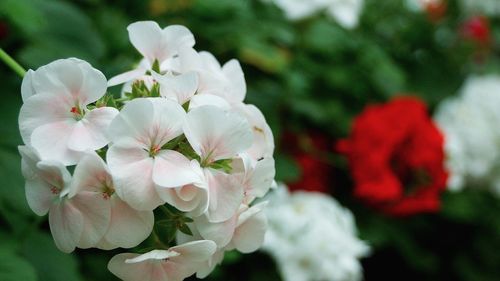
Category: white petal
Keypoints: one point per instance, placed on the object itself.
(217, 134)
(39, 196)
(90, 133)
(263, 140)
(51, 141)
(132, 170)
(91, 174)
(145, 271)
(221, 233)
(262, 177)
(250, 233)
(128, 227)
(71, 78)
(54, 173)
(172, 169)
(169, 117)
(179, 88)
(66, 224)
(133, 122)
(208, 99)
(209, 266)
(176, 37)
(232, 70)
(126, 77)
(225, 195)
(190, 60)
(40, 110)
(96, 212)
(188, 198)
(27, 89)
(195, 251)
(28, 162)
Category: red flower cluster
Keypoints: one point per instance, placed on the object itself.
(307, 151)
(477, 29)
(396, 157)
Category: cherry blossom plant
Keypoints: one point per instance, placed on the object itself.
(170, 169)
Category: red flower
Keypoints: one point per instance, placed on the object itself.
(436, 9)
(308, 152)
(396, 157)
(477, 29)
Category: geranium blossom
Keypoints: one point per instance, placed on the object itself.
(136, 158)
(397, 166)
(54, 118)
(323, 248)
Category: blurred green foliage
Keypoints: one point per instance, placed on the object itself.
(308, 75)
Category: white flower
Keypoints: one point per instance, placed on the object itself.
(345, 12)
(256, 176)
(174, 264)
(469, 123)
(126, 227)
(76, 219)
(215, 134)
(155, 44)
(136, 158)
(312, 237)
(180, 88)
(54, 118)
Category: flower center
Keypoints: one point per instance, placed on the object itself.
(154, 150)
(55, 190)
(77, 112)
(107, 191)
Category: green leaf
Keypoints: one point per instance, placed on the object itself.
(15, 268)
(50, 263)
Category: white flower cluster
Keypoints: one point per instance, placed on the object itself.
(485, 7)
(180, 138)
(312, 237)
(345, 12)
(470, 124)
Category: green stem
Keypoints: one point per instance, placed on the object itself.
(12, 63)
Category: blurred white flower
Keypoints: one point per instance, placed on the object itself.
(470, 124)
(486, 7)
(312, 237)
(345, 12)
(54, 118)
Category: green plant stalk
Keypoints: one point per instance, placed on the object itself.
(12, 63)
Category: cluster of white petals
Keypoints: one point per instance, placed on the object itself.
(312, 237)
(345, 12)
(470, 124)
(180, 137)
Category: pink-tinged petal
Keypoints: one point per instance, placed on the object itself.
(39, 196)
(96, 212)
(66, 224)
(144, 271)
(39, 110)
(133, 122)
(216, 134)
(90, 133)
(169, 117)
(128, 227)
(234, 74)
(195, 251)
(91, 174)
(71, 78)
(225, 195)
(172, 169)
(54, 173)
(221, 233)
(179, 88)
(28, 161)
(51, 142)
(250, 233)
(209, 266)
(188, 198)
(208, 99)
(132, 170)
(189, 60)
(126, 77)
(27, 89)
(263, 140)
